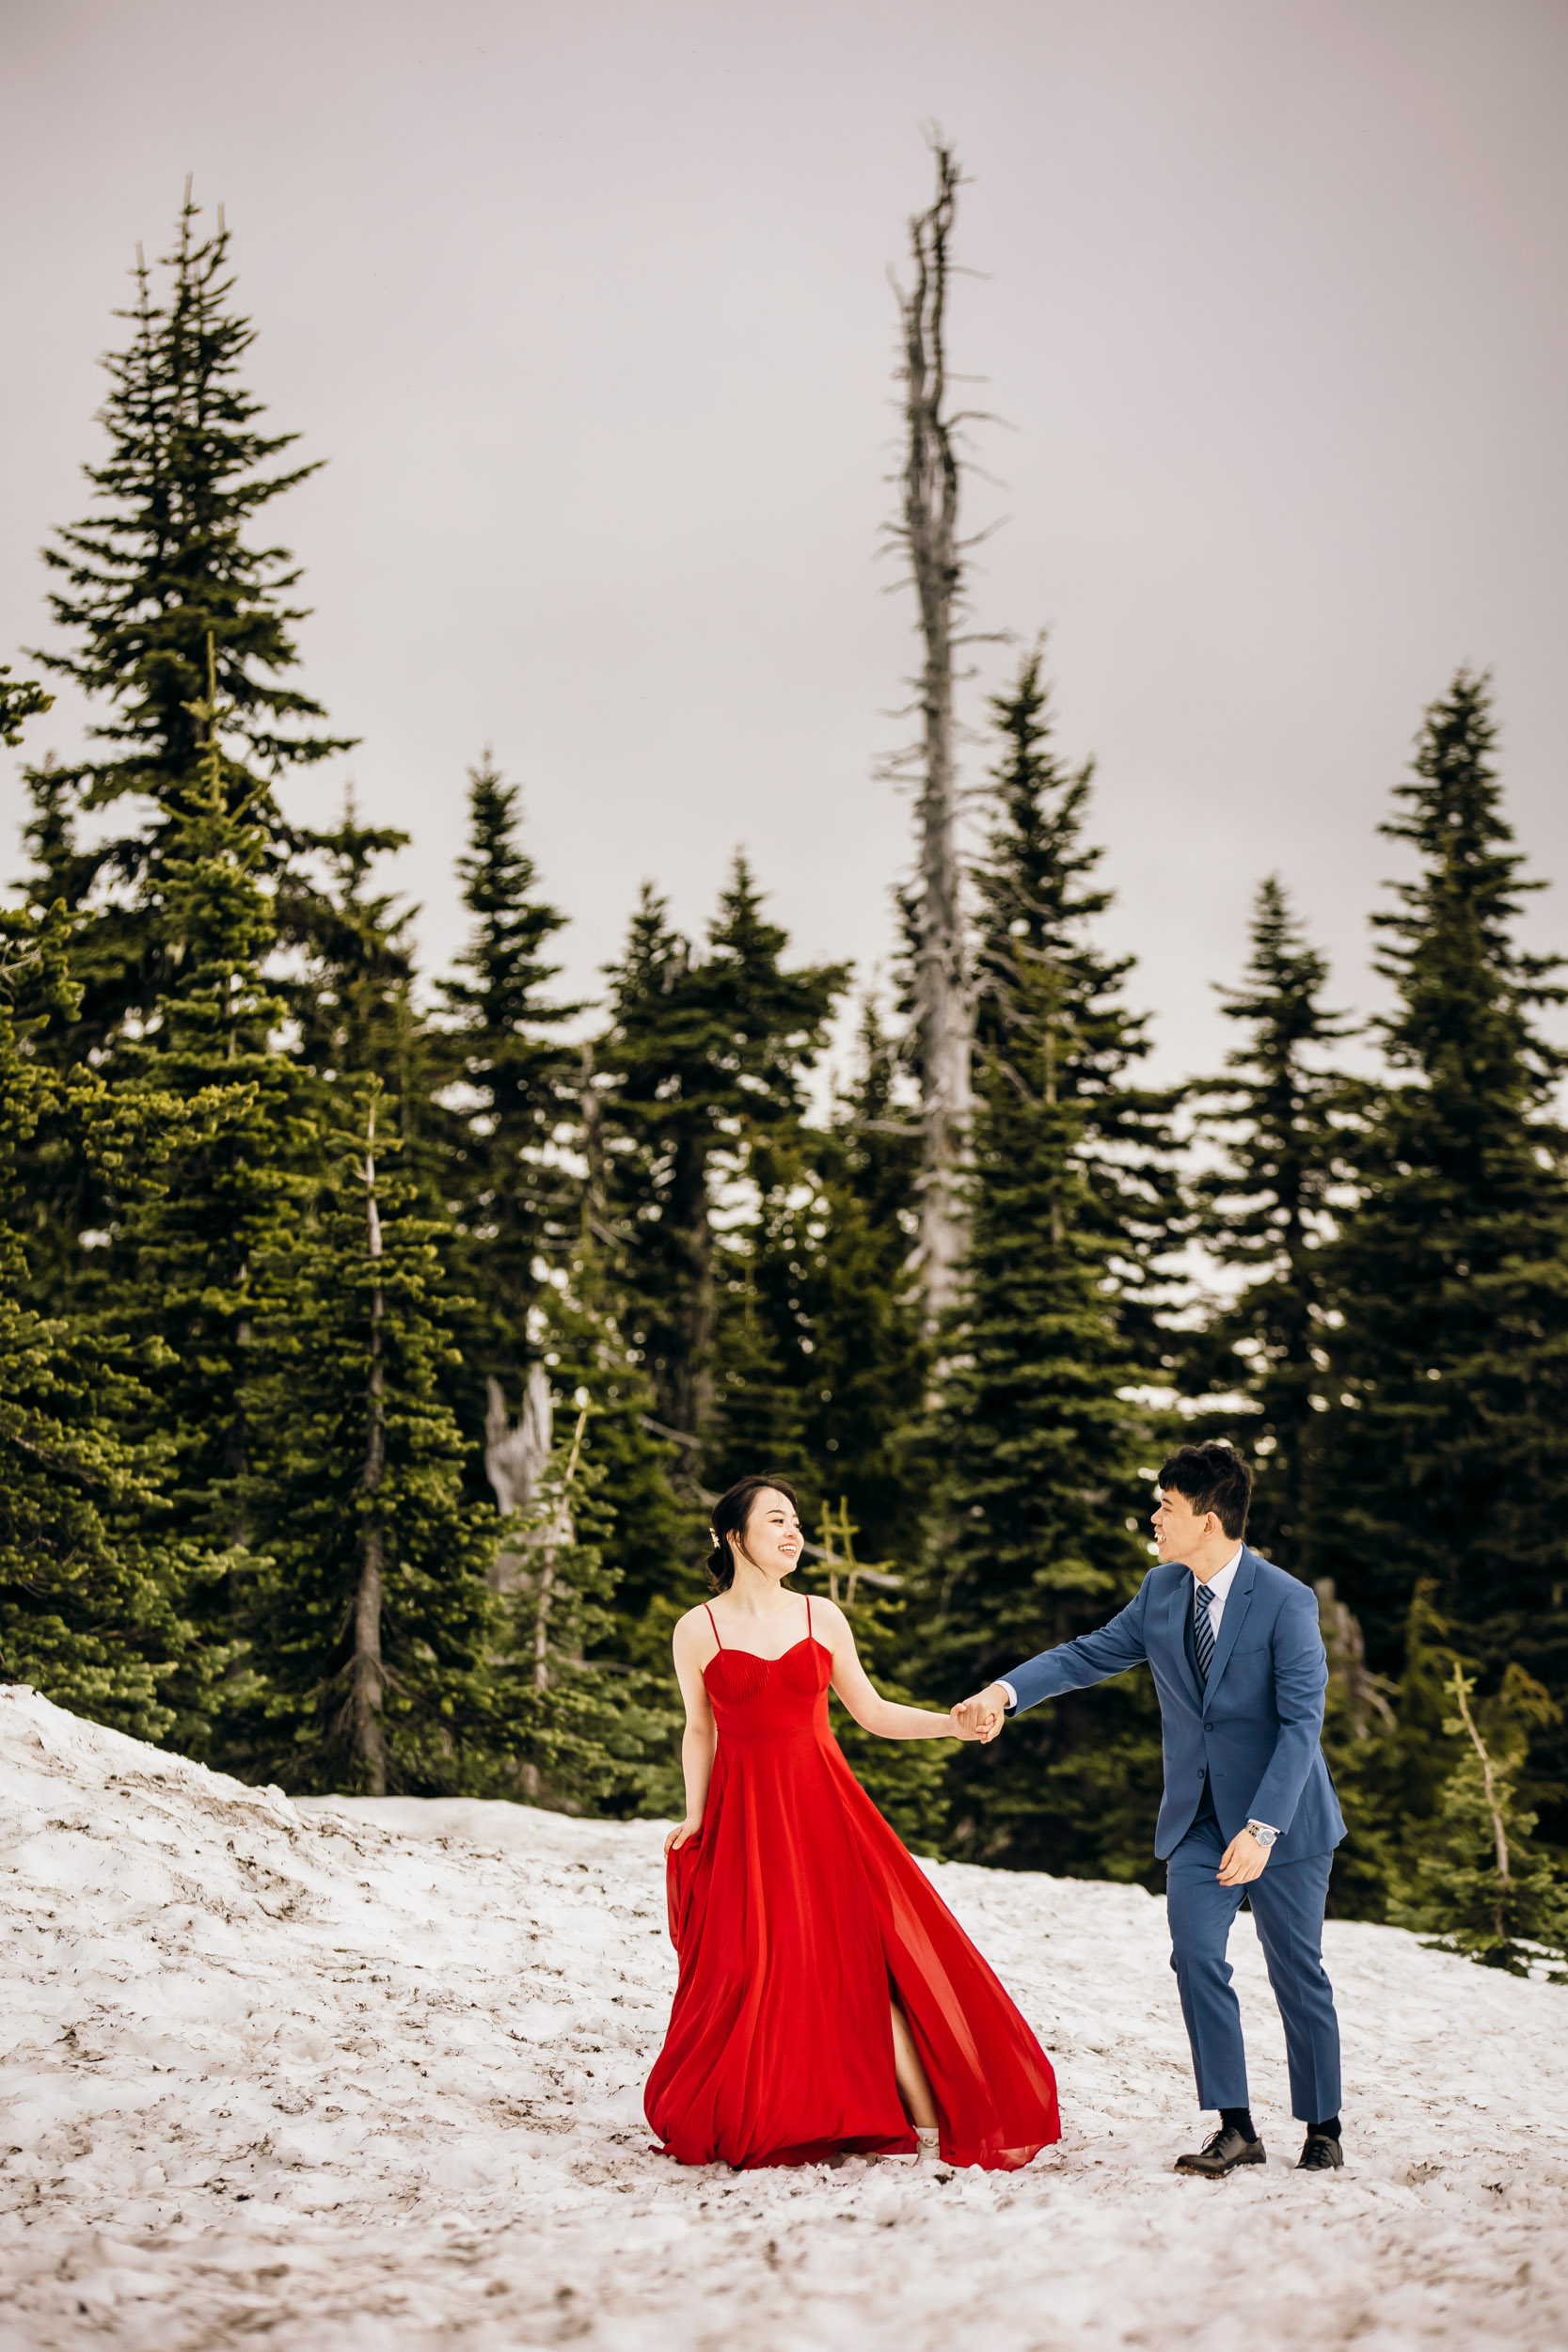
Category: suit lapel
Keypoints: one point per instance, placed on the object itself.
(1237, 1601)
(1180, 1609)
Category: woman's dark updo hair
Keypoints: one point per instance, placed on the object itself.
(730, 1515)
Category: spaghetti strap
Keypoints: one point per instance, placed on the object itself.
(714, 1622)
(808, 1616)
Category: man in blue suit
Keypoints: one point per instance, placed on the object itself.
(1233, 1645)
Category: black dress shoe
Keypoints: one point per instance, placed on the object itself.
(1222, 2154)
(1320, 2153)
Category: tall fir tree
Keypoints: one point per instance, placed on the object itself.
(509, 1088)
(182, 1261)
(1265, 1211)
(92, 1587)
(1047, 1462)
(379, 1631)
(165, 564)
(1448, 1382)
(706, 1056)
(823, 1316)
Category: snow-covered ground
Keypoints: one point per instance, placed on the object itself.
(360, 2077)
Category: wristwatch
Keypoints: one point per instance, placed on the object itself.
(1264, 1834)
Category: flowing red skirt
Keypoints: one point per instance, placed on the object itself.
(795, 1915)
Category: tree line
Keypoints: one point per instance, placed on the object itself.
(371, 1345)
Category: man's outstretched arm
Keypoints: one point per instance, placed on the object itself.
(1071, 1666)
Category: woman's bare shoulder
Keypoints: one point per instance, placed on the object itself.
(694, 1627)
(827, 1619)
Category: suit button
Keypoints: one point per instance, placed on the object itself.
(1208, 1726)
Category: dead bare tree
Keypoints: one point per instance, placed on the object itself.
(928, 531)
(367, 1677)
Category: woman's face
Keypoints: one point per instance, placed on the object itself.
(772, 1537)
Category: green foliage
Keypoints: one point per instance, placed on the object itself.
(582, 1730)
(93, 1586)
(509, 1085)
(21, 699)
(183, 1258)
(1480, 1886)
(1046, 1462)
(706, 1056)
(377, 1627)
(1449, 1375)
(1264, 1213)
(164, 561)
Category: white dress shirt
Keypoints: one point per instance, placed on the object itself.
(1218, 1587)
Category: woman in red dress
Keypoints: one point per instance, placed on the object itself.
(827, 1999)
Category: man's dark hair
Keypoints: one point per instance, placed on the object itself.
(1213, 1477)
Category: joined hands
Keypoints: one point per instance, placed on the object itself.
(982, 1717)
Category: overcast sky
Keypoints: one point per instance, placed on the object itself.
(586, 304)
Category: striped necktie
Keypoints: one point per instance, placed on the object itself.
(1203, 1632)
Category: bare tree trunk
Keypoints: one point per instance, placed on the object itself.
(514, 1459)
(943, 1010)
(686, 1392)
(1367, 1694)
(559, 1532)
(367, 1678)
(1489, 1789)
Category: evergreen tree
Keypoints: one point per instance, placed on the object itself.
(706, 1057)
(510, 1083)
(1449, 1376)
(182, 1262)
(1264, 1213)
(164, 576)
(20, 699)
(864, 1386)
(582, 1729)
(350, 995)
(763, 1347)
(1048, 1464)
(165, 564)
(379, 1628)
(92, 1584)
(1479, 1884)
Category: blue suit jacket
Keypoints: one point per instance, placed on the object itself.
(1252, 1732)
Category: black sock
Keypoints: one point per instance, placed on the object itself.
(1238, 2119)
(1325, 2131)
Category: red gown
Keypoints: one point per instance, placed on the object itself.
(794, 1912)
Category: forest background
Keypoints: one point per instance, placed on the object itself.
(374, 1342)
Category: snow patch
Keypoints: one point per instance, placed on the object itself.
(356, 2077)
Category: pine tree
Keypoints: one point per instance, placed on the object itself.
(165, 562)
(1449, 1376)
(350, 995)
(582, 1729)
(865, 1388)
(184, 1261)
(510, 1083)
(1264, 1213)
(20, 699)
(705, 1054)
(379, 1628)
(764, 1349)
(93, 1586)
(1048, 1465)
(1479, 1884)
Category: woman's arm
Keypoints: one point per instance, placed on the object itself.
(701, 1736)
(853, 1686)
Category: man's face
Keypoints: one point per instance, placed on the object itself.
(1179, 1529)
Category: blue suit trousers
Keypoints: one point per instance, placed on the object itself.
(1288, 1909)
